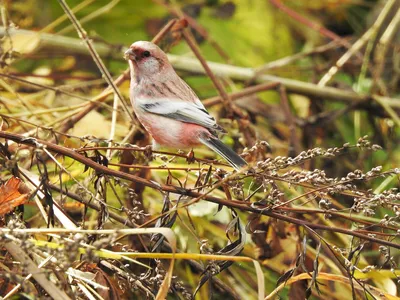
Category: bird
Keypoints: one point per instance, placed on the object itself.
(168, 108)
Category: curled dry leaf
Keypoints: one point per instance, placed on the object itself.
(13, 193)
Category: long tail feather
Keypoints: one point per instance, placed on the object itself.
(227, 153)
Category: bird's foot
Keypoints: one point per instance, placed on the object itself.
(148, 151)
(190, 157)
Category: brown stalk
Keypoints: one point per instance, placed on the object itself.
(317, 27)
(54, 89)
(38, 274)
(117, 217)
(245, 206)
(242, 93)
(294, 143)
(196, 26)
(144, 149)
(96, 57)
(340, 215)
(153, 168)
(232, 110)
(221, 91)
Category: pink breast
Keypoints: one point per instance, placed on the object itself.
(172, 133)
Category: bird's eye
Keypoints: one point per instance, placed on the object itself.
(146, 53)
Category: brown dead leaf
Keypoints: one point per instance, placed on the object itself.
(113, 292)
(105, 280)
(12, 193)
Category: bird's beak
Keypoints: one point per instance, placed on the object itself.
(129, 54)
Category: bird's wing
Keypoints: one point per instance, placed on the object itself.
(188, 112)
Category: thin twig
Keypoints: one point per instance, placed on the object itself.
(38, 274)
(292, 58)
(89, 17)
(54, 89)
(221, 91)
(96, 57)
(317, 27)
(383, 46)
(116, 216)
(182, 191)
(182, 63)
(294, 145)
(196, 26)
(161, 168)
(243, 93)
(358, 44)
(163, 32)
(144, 149)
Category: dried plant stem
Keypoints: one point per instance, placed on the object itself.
(245, 206)
(317, 27)
(352, 218)
(188, 64)
(221, 91)
(195, 25)
(383, 45)
(64, 17)
(292, 58)
(329, 277)
(93, 15)
(54, 89)
(154, 168)
(390, 111)
(18, 286)
(294, 146)
(359, 43)
(292, 85)
(101, 184)
(117, 217)
(144, 149)
(163, 31)
(243, 93)
(19, 255)
(96, 57)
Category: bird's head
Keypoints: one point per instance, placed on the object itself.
(146, 58)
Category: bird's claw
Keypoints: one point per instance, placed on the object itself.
(190, 157)
(148, 151)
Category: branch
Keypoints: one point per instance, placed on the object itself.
(93, 205)
(74, 46)
(244, 206)
(39, 275)
(96, 57)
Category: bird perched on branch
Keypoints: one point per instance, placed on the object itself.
(168, 108)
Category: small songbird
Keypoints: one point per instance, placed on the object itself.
(168, 108)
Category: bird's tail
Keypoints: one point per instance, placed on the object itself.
(227, 153)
